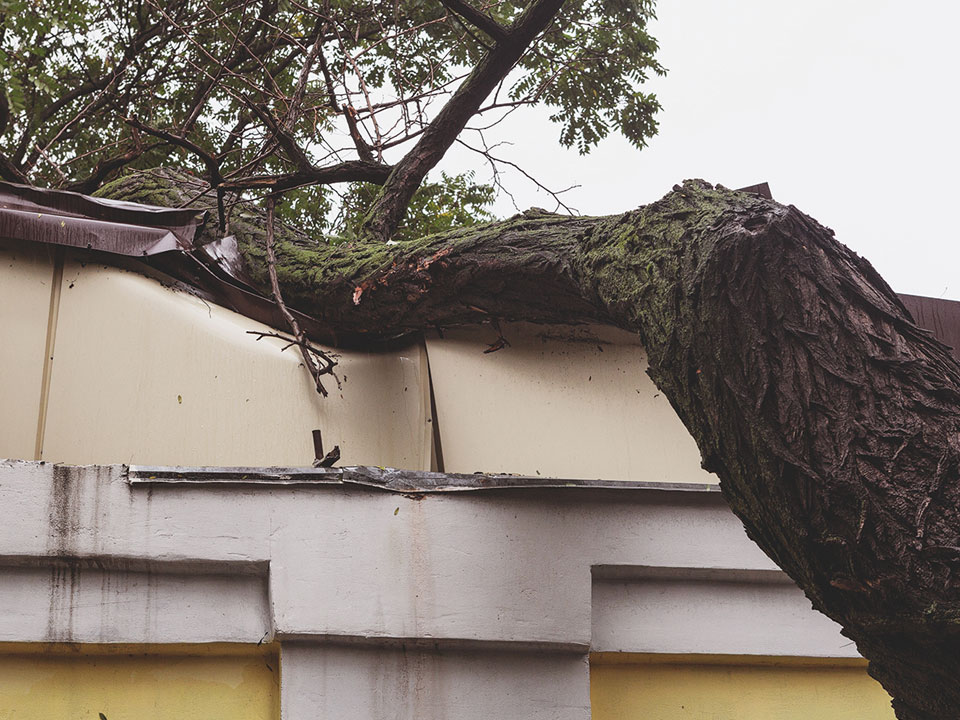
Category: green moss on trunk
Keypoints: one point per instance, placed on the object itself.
(830, 418)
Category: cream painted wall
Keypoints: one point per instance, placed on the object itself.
(145, 374)
(26, 281)
(558, 401)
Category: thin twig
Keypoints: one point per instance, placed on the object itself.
(306, 350)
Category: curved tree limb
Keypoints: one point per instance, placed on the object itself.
(832, 420)
(347, 171)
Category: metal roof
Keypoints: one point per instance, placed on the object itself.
(383, 478)
(58, 217)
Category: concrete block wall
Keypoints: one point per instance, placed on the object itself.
(384, 605)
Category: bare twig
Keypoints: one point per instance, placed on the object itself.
(309, 353)
(348, 111)
(378, 138)
(493, 160)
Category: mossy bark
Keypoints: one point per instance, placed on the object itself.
(832, 421)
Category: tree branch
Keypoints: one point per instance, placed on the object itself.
(306, 351)
(388, 210)
(831, 419)
(104, 168)
(4, 112)
(212, 163)
(478, 19)
(10, 172)
(350, 171)
(349, 114)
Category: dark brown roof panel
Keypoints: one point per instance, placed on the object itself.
(64, 218)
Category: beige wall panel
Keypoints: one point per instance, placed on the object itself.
(26, 277)
(560, 402)
(148, 375)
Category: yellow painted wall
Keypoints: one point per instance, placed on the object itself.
(184, 684)
(626, 686)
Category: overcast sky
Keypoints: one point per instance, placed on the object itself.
(848, 108)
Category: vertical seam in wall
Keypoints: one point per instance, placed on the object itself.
(52, 320)
(436, 447)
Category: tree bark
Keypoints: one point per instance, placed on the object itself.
(830, 418)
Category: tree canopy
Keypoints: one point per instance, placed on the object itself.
(271, 95)
(830, 418)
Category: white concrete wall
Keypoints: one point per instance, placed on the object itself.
(454, 605)
(732, 613)
(87, 604)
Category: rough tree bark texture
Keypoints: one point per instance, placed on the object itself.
(830, 418)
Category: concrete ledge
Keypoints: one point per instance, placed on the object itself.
(382, 478)
(161, 565)
(623, 573)
(430, 643)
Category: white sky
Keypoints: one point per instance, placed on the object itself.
(849, 109)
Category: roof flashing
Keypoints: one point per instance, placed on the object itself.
(393, 480)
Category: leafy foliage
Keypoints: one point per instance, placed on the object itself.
(590, 66)
(237, 88)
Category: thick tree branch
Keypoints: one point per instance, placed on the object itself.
(212, 163)
(831, 419)
(476, 18)
(350, 171)
(4, 112)
(388, 210)
(104, 168)
(10, 172)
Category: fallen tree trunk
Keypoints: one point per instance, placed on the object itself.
(831, 419)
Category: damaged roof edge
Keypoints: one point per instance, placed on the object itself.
(59, 217)
(166, 240)
(382, 478)
(147, 239)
